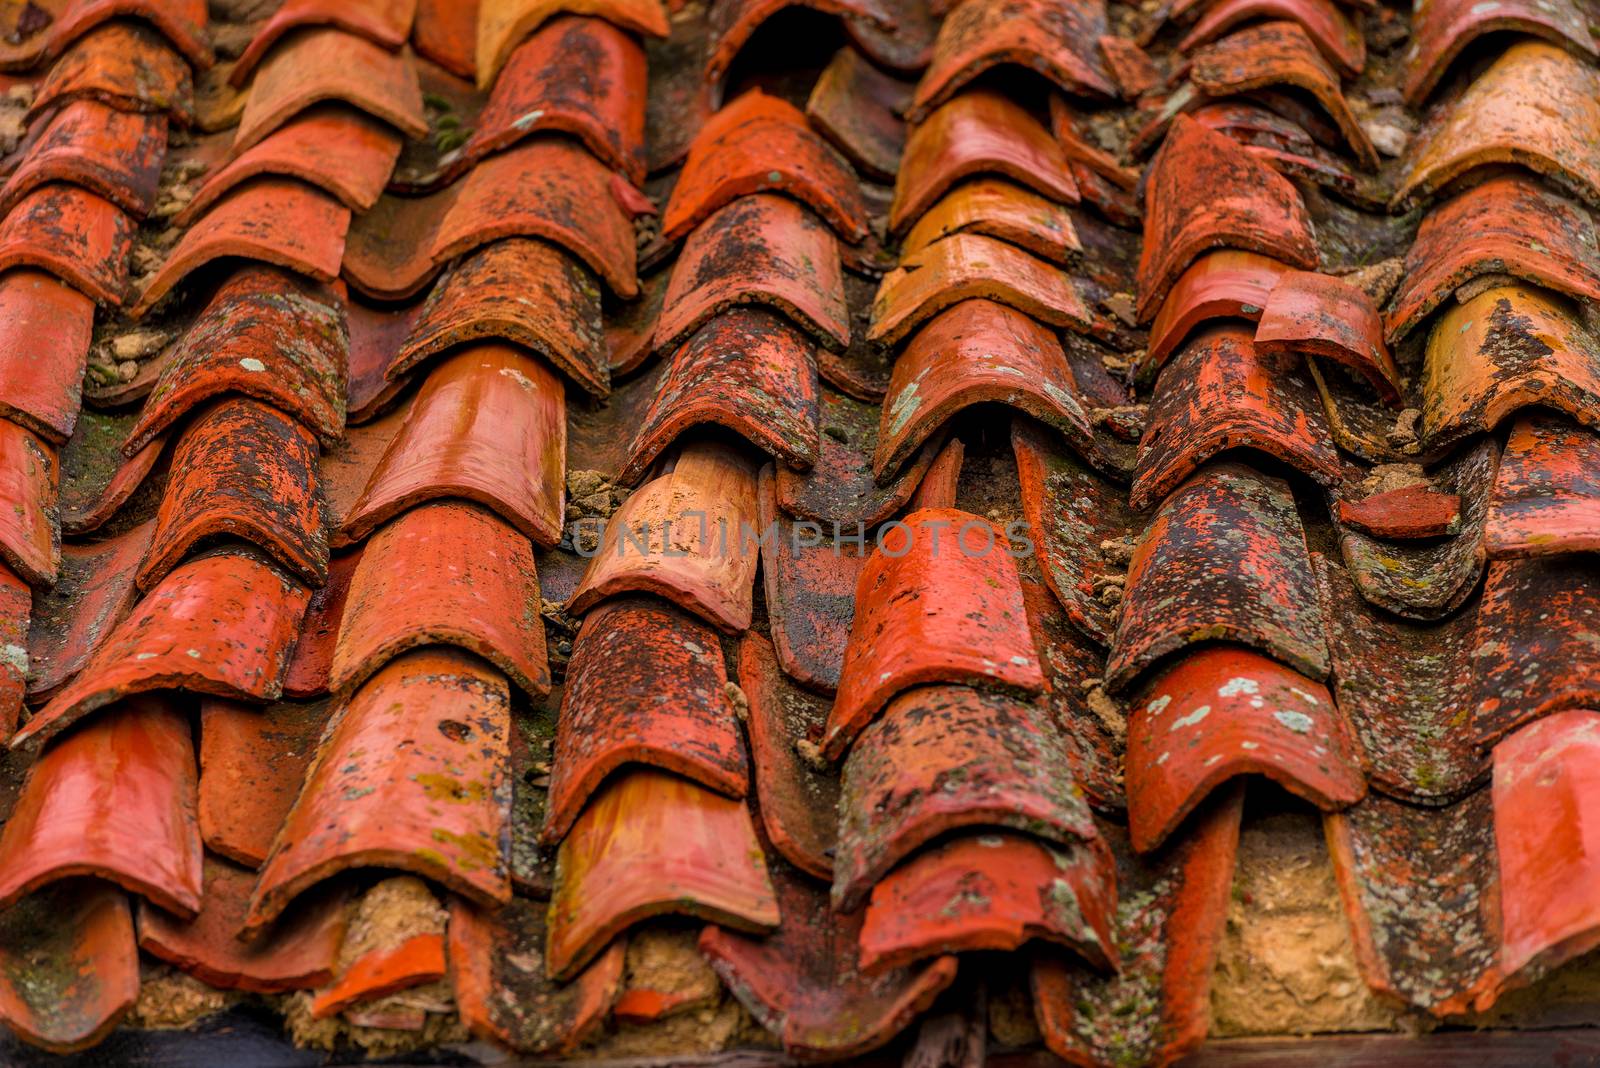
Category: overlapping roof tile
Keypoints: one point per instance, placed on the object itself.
(356, 662)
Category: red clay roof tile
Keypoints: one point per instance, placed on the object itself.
(978, 132)
(383, 970)
(443, 573)
(264, 334)
(336, 148)
(1130, 66)
(438, 806)
(242, 469)
(1222, 711)
(15, 665)
(732, 23)
(577, 75)
(489, 425)
(999, 208)
(221, 623)
(518, 290)
(1329, 318)
(383, 22)
(759, 249)
(799, 804)
(977, 352)
(1055, 39)
(1538, 106)
(501, 999)
(503, 24)
(646, 685)
(706, 506)
(942, 758)
(114, 799)
(1340, 43)
(445, 31)
(1545, 500)
(252, 764)
(1507, 225)
(651, 843)
(91, 495)
(69, 967)
(125, 65)
(906, 47)
(992, 892)
(1410, 513)
(1402, 686)
(279, 221)
(804, 982)
(79, 237)
(969, 265)
(297, 953)
(857, 107)
(1175, 598)
(183, 22)
(1445, 28)
(746, 369)
(45, 330)
(938, 601)
(30, 540)
(312, 663)
(114, 154)
(762, 144)
(1220, 393)
(323, 64)
(1226, 284)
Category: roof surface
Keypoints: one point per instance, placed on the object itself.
(850, 491)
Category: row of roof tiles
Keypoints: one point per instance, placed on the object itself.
(925, 717)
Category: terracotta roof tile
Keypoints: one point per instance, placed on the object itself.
(1227, 284)
(183, 22)
(115, 154)
(733, 22)
(1544, 497)
(45, 330)
(126, 66)
(252, 764)
(999, 208)
(79, 237)
(384, 22)
(1446, 28)
(503, 24)
(1333, 34)
(858, 108)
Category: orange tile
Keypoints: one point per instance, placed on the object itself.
(242, 469)
(600, 101)
(267, 335)
(980, 132)
(998, 208)
(1205, 191)
(858, 109)
(93, 593)
(1444, 29)
(276, 220)
(977, 352)
(499, 999)
(383, 22)
(1227, 284)
(965, 266)
(113, 154)
(252, 763)
(30, 541)
(79, 237)
(45, 330)
(1055, 40)
(443, 573)
(182, 22)
(548, 188)
(1329, 318)
(646, 685)
(1279, 54)
(323, 64)
(1506, 348)
(747, 370)
(906, 47)
(125, 65)
(388, 252)
(651, 843)
(417, 960)
(1340, 43)
(297, 953)
(1511, 224)
(15, 665)
(444, 30)
(939, 601)
(1538, 106)
(943, 759)
(1130, 66)
(489, 425)
(1546, 500)
(762, 144)
(1065, 124)
(1222, 711)
(992, 892)
(704, 506)
(805, 984)
(336, 148)
(503, 24)
(522, 291)
(412, 777)
(114, 799)
(760, 249)
(69, 968)
(222, 623)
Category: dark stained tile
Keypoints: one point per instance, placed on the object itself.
(1545, 500)
(76, 235)
(182, 22)
(733, 22)
(126, 66)
(858, 109)
(113, 154)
